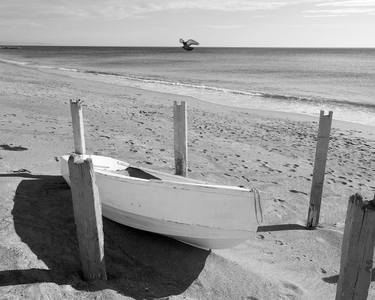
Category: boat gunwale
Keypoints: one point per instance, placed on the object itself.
(204, 187)
(228, 190)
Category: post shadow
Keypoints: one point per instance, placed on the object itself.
(280, 227)
(7, 147)
(139, 264)
(335, 278)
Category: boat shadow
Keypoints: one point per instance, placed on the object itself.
(139, 264)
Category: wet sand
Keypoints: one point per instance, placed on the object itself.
(271, 151)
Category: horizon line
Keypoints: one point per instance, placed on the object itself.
(135, 46)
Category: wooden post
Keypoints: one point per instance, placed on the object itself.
(319, 169)
(180, 138)
(77, 124)
(88, 217)
(357, 250)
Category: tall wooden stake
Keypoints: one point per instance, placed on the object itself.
(180, 138)
(77, 124)
(319, 169)
(357, 250)
(88, 217)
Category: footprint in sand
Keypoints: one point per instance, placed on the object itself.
(297, 192)
(291, 289)
(12, 148)
(245, 178)
(278, 199)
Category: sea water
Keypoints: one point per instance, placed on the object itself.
(300, 80)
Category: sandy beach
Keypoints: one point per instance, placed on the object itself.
(271, 151)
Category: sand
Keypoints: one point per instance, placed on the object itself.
(271, 151)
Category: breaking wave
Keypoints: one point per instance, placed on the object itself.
(285, 97)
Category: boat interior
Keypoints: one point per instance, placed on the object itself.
(139, 173)
(154, 175)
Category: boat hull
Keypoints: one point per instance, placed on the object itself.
(200, 236)
(203, 215)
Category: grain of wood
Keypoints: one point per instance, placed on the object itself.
(180, 138)
(357, 250)
(87, 217)
(325, 123)
(77, 124)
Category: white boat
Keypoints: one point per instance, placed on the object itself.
(204, 215)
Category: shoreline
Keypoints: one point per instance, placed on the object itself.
(369, 130)
(268, 150)
(117, 79)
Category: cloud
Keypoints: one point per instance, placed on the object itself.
(234, 26)
(349, 3)
(120, 9)
(36, 10)
(342, 8)
(117, 9)
(40, 9)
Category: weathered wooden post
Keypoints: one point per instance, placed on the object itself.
(77, 124)
(357, 250)
(319, 169)
(88, 217)
(180, 138)
(86, 203)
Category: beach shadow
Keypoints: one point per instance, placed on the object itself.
(24, 175)
(332, 279)
(280, 227)
(12, 148)
(335, 278)
(139, 264)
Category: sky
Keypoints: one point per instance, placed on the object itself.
(214, 23)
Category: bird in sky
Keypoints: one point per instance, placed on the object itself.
(188, 43)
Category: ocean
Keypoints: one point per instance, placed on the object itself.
(300, 80)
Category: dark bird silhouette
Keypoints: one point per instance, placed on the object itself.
(188, 43)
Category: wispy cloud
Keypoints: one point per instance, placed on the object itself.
(349, 3)
(229, 26)
(120, 9)
(342, 8)
(41, 9)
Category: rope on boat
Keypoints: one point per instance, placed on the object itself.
(257, 205)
